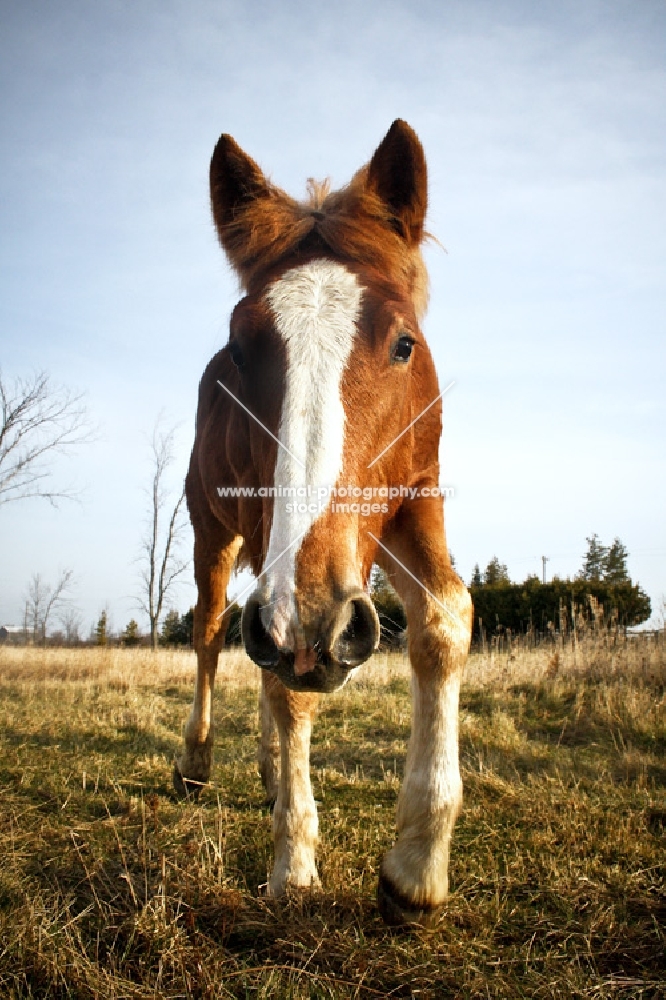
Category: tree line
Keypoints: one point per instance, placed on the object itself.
(602, 589)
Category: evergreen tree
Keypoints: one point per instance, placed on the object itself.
(477, 579)
(131, 636)
(100, 630)
(532, 604)
(615, 570)
(169, 636)
(496, 572)
(187, 625)
(177, 629)
(594, 567)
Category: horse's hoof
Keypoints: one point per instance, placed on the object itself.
(186, 788)
(397, 911)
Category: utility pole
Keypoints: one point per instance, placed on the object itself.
(544, 560)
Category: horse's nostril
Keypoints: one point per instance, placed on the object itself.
(353, 637)
(258, 643)
(358, 638)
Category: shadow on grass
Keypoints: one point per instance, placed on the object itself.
(128, 740)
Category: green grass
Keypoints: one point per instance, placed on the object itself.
(112, 888)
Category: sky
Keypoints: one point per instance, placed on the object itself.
(544, 127)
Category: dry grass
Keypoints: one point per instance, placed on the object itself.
(111, 888)
(112, 667)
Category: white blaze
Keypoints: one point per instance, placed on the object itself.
(315, 308)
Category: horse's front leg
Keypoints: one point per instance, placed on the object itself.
(215, 551)
(269, 745)
(295, 815)
(413, 881)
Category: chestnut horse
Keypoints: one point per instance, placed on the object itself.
(327, 383)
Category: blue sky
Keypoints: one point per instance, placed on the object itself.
(544, 126)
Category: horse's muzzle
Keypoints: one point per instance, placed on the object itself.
(335, 650)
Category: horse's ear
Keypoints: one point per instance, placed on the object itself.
(236, 182)
(397, 173)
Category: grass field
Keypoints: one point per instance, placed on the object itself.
(111, 888)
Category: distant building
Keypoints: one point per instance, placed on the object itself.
(7, 631)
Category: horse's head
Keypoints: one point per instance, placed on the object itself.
(328, 369)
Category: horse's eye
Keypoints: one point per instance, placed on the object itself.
(402, 349)
(236, 355)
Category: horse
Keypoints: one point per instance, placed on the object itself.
(316, 456)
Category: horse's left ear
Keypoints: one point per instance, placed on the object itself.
(398, 175)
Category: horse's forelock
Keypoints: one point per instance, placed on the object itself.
(352, 225)
(318, 192)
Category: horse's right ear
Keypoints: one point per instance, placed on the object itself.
(251, 214)
(235, 180)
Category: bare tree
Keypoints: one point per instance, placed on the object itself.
(71, 621)
(37, 420)
(41, 601)
(162, 565)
